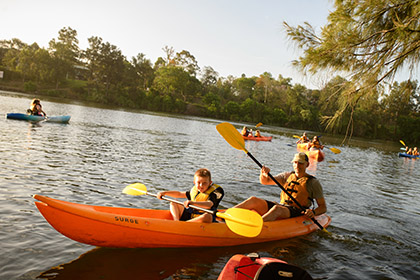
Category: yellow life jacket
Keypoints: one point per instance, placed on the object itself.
(297, 189)
(201, 196)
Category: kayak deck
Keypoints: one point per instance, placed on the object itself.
(147, 228)
(252, 266)
(33, 118)
(261, 138)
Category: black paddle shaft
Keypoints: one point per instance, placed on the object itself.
(283, 189)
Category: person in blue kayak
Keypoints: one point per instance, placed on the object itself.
(303, 187)
(36, 108)
(204, 194)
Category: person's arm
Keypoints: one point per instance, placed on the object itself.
(266, 180)
(321, 209)
(175, 194)
(212, 202)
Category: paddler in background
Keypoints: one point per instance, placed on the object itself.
(415, 152)
(36, 108)
(303, 187)
(245, 131)
(204, 194)
(303, 139)
(257, 133)
(315, 144)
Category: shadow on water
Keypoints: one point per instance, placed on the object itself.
(172, 263)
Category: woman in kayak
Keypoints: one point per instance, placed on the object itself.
(303, 187)
(244, 131)
(315, 144)
(303, 139)
(204, 194)
(36, 108)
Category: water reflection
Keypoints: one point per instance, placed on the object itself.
(191, 263)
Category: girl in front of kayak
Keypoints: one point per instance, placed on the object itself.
(204, 194)
(36, 108)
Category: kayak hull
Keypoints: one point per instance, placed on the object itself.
(32, 118)
(147, 228)
(407, 155)
(313, 154)
(253, 138)
(241, 267)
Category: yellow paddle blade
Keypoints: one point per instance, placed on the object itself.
(335, 150)
(402, 142)
(231, 135)
(242, 221)
(295, 136)
(135, 189)
(259, 124)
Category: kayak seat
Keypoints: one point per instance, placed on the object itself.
(281, 271)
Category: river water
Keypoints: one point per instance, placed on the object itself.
(372, 195)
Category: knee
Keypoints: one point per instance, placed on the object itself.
(253, 199)
(207, 218)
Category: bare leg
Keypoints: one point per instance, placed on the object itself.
(205, 218)
(176, 210)
(254, 203)
(276, 212)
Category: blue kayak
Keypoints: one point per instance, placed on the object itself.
(407, 155)
(32, 118)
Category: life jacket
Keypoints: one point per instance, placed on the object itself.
(196, 195)
(303, 139)
(316, 144)
(297, 189)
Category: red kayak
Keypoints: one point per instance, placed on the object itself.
(260, 138)
(252, 266)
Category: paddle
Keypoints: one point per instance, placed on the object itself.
(402, 142)
(334, 150)
(259, 124)
(240, 221)
(234, 138)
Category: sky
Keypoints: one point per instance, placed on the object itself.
(234, 37)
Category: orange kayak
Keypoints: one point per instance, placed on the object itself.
(147, 228)
(313, 154)
(261, 138)
(252, 266)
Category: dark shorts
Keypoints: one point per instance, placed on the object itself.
(186, 215)
(294, 211)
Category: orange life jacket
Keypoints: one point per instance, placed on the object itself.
(297, 189)
(316, 144)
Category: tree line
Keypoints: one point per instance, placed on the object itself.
(175, 83)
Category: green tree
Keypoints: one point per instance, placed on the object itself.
(176, 82)
(368, 40)
(106, 64)
(143, 70)
(65, 53)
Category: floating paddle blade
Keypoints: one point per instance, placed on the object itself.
(232, 136)
(242, 221)
(135, 189)
(335, 150)
(259, 124)
(402, 142)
